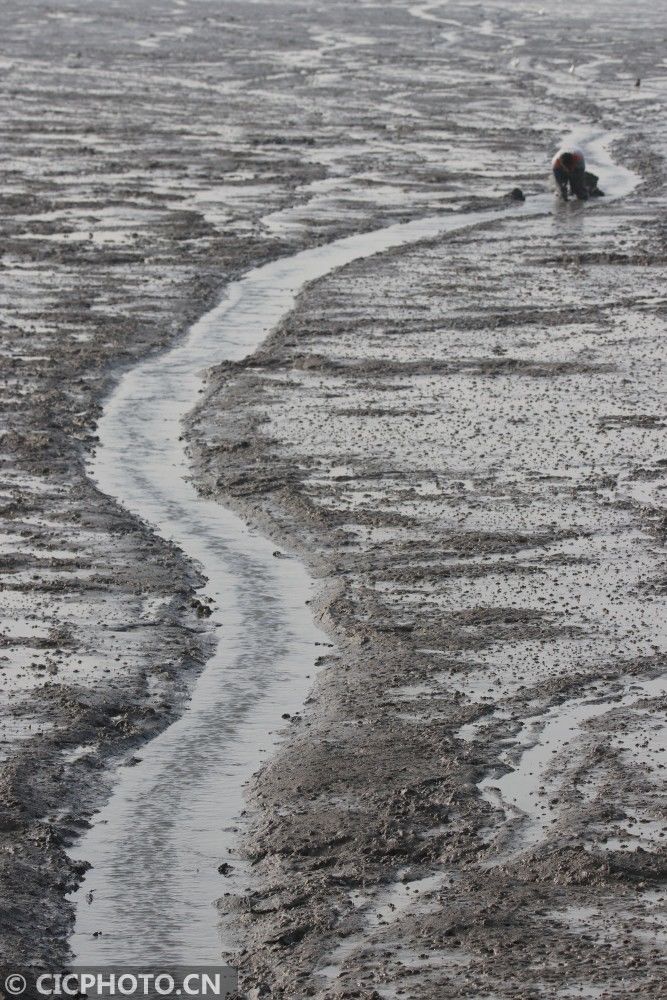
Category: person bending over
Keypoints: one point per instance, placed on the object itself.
(569, 169)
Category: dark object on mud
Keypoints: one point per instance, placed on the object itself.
(516, 194)
(591, 184)
(225, 868)
(202, 610)
(638, 82)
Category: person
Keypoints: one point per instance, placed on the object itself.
(569, 167)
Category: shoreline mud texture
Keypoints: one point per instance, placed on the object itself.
(463, 440)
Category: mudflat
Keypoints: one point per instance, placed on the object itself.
(462, 439)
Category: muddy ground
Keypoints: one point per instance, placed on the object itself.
(463, 439)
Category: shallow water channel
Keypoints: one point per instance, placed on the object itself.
(173, 818)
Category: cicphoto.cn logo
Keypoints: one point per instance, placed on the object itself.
(214, 983)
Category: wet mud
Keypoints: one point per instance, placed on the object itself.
(463, 441)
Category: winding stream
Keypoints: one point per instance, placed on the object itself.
(173, 818)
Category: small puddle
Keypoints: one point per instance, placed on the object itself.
(521, 790)
(389, 905)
